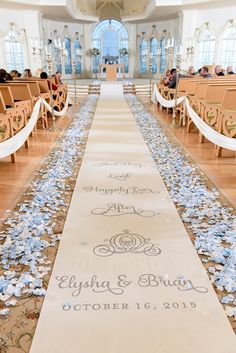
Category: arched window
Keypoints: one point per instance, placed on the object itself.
(143, 56)
(68, 64)
(206, 48)
(110, 43)
(77, 56)
(153, 51)
(228, 47)
(110, 36)
(13, 52)
(163, 56)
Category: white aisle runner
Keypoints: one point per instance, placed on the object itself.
(127, 278)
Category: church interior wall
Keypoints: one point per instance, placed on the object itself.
(194, 22)
(182, 28)
(29, 21)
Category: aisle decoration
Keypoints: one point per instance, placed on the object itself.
(123, 51)
(211, 221)
(11, 145)
(31, 230)
(206, 130)
(94, 52)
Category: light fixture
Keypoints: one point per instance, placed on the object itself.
(13, 33)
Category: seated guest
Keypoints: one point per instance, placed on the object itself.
(14, 74)
(218, 71)
(172, 82)
(230, 70)
(205, 72)
(58, 76)
(3, 75)
(9, 77)
(44, 75)
(173, 73)
(191, 71)
(27, 73)
(165, 79)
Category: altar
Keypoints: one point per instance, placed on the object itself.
(112, 70)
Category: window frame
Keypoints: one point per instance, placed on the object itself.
(15, 50)
(206, 48)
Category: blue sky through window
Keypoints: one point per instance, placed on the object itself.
(110, 43)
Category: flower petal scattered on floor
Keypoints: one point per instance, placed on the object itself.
(211, 222)
(31, 229)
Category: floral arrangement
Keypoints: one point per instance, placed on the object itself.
(94, 52)
(123, 51)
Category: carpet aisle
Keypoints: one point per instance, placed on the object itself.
(127, 278)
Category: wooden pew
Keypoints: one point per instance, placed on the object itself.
(210, 94)
(214, 100)
(6, 131)
(20, 91)
(7, 96)
(3, 108)
(188, 86)
(208, 101)
(33, 86)
(213, 105)
(227, 125)
(16, 103)
(59, 96)
(44, 92)
(20, 110)
(16, 115)
(215, 94)
(22, 96)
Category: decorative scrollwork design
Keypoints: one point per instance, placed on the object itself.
(127, 242)
(230, 125)
(3, 130)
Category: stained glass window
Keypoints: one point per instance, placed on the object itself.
(77, 56)
(68, 64)
(163, 56)
(153, 50)
(143, 56)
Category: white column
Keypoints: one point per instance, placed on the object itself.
(87, 62)
(189, 24)
(31, 20)
(132, 50)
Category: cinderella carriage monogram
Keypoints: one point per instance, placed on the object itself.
(127, 242)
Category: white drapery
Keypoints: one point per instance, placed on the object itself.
(56, 113)
(11, 145)
(206, 130)
(157, 97)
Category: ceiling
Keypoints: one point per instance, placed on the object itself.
(119, 8)
(133, 11)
